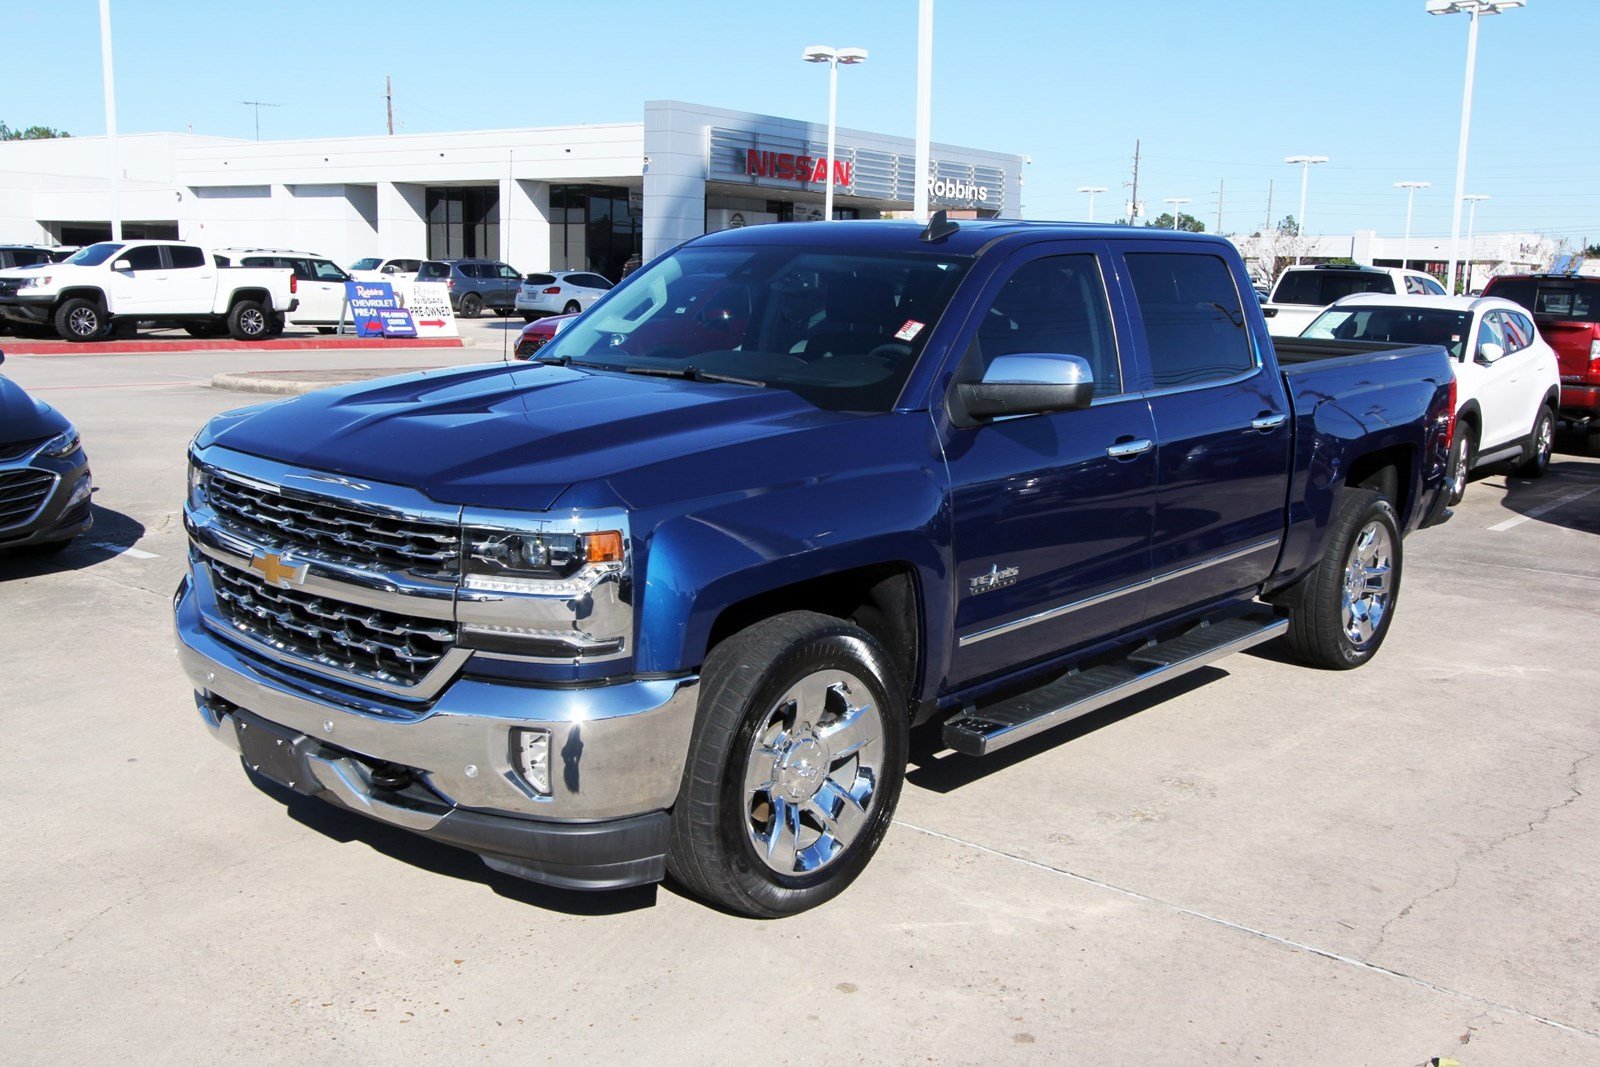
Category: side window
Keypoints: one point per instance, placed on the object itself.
(434, 270)
(1413, 286)
(143, 257)
(1432, 287)
(1055, 305)
(186, 258)
(1526, 323)
(1193, 322)
(327, 272)
(1516, 339)
(27, 258)
(1490, 333)
(508, 274)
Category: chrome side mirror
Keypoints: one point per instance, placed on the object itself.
(1029, 384)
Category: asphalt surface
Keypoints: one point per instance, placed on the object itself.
(1258, 863)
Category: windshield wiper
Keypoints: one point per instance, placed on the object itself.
(568, 361)
(694, 374)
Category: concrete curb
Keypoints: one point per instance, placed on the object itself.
(168, 346)
(295, 382)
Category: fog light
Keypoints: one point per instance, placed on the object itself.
(80, 491)
(533, 759)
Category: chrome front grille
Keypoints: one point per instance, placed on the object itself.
(334, 529)
(384, 646)
(22, 493)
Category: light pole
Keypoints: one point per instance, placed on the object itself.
(919, 188)
(1091, 190)
(1472, 218)
(834, 57)
(108, 83)
(1411, 192)
(1305, 176)
(1176, 202)
(1473, 8)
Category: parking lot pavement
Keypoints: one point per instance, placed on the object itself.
(1259, 863)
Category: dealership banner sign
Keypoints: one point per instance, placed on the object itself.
(376, 311)
(429, 304)
(769, 161)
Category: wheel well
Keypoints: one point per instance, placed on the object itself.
(1471, 416)
(881, 599)
(81, 294)
(259, 295)
(1552, 398)
(1387, 470)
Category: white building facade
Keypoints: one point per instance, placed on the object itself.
(581, 197)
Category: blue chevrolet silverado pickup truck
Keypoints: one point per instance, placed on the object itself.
(669, 599)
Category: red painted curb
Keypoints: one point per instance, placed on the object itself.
(153, 346)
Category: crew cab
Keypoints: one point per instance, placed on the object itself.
(1302, 292)
(168, 282)
(1506, 379)
(1566, 310)
(668, 598)
(319, 282)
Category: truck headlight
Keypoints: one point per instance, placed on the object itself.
(552, 589)
(35, 281)
(197, 483)
(64, 443)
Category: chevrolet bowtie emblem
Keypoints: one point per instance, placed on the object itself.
(277, 573)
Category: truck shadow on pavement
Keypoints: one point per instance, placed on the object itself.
(935, 768)
(112, 533)
(346, 827)
(1568, 495)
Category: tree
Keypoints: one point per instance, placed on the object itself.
(32, 133)
(1289, 226)
(1592, 250)
(1186, 222)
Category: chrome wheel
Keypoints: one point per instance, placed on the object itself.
(1459, 457)
(252, 321)
(812, 773)
(1368, 583)
(83, 322)
(1544, 440)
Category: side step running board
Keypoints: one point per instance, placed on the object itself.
(980, 731)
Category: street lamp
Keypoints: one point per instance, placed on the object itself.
(1091, 190)
(1176, 202)
(1305, 176)
(1472, 218)
(1411, 193)
(1473, 8)
(834, 57)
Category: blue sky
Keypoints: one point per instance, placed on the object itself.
(1217, 92)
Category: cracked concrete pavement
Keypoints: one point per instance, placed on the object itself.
(1256, 863)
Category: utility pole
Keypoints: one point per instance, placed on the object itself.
(258, 105)
(388, 99)
(108, 84)
(1268, 227)
(1133, 201)
(1221, 184)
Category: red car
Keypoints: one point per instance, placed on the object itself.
(1566, 308)
(538, 333)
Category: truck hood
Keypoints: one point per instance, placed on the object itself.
(510, 437)
(22, 418)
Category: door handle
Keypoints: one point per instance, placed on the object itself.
(1267, 423)
(1129, 449)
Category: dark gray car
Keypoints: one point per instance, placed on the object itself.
(45, 483)
(474, 284)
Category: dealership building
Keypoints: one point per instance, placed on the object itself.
(579, 197)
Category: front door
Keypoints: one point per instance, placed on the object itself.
(1051, 512)
(1222, 420)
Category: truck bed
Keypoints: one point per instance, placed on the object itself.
(1296, 353)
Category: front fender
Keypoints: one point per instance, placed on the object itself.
(699, 564)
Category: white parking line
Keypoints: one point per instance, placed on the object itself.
(1541, 509)
(124, 550)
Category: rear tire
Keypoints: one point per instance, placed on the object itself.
(1340, 614)
(471, 305)
(572, 308)
(248, 320)
(1461, 455)
(1537, 459)
(794, 769)
(528, 316)
(79, 320)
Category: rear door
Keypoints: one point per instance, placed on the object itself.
(321, 291)
(192, 280)
(1051, 512)
(1222, 427)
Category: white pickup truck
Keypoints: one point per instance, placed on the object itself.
(1303, 292)
(126, 282)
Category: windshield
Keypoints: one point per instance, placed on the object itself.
(94, 255)
(370, 263)
(1574, 299)
(1323, 287)
(1403, 325)
(840, 329)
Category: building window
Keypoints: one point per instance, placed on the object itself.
(463, 222)
(592, 227)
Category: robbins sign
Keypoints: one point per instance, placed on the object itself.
(771, 161)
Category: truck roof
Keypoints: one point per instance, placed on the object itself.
(904, 235)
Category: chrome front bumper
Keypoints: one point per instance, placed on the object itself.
(616, 750)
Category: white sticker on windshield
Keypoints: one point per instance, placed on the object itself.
(909, 331)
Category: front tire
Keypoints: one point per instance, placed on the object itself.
(249, 321)
(794, 769)
(1540, 445)
(1340, 614)
(79, 320)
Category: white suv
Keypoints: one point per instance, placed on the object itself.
(1302, 292)
(1507, 382)
(559, 292)
(320, 282)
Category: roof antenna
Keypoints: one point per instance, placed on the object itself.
(939, 227)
